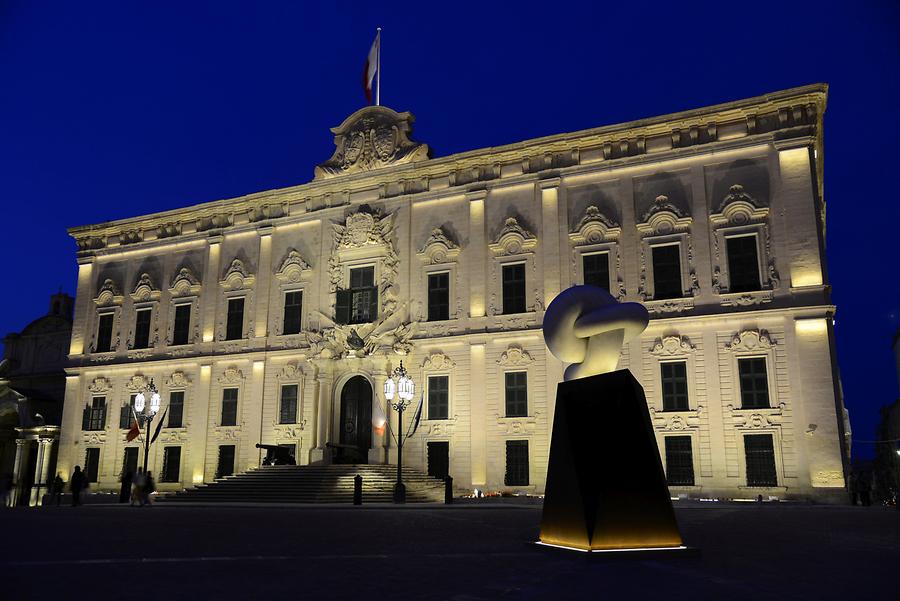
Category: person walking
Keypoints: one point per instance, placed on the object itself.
(76, 485)
(5, 489)
(125, 490)
(56, 489)
(137, 487)
(149, 488)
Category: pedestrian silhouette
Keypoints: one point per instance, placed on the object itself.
(76, 485)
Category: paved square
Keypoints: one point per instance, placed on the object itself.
(461, 552)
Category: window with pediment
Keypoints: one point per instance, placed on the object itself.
(144, 331)
(597, 258)
(107, 324)
(512, 269)
(439, 256)
(744, 269)
(668, 280)
(293, 276)
(236, 318)
(184, 321)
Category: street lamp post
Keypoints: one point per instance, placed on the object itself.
(401, 386)
(147, 411)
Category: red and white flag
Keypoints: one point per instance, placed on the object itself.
(370, 69)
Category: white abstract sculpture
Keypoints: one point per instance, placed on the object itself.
(586, 326)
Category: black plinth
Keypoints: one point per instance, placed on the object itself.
(606, 488)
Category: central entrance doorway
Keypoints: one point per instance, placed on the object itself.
(356, 421)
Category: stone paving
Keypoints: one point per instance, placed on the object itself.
(462, 552)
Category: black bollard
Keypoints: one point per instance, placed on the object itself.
(357, 490)
(448, 490)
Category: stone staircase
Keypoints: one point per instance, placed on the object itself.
(312, 484)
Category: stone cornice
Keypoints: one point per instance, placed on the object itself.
(793, 113)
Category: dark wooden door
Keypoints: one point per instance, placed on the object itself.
(356, 421)
(438, 459)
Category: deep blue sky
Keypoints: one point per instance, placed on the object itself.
(114, 109)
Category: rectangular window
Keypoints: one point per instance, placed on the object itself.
(438, 397)
(125, 417)
(439, 459)
(229, 406)
(743, 264)
(234, 327)
(596, 270)
(438, 296)
(516, 463)
(754, 383)
(92, 464)
(176, 409)
(759, 452)
(516, 394)
(104, 333)
(142, 328)
(94, 417)
(225, 465)
(182, 324)
(679, 461)
(130, 460)
(293, 309)
(171, 471)
(359, 303)
(514, 288)
(288, 413)
(674, 386)
(666, 272)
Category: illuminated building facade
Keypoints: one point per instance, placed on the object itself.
(276, 317)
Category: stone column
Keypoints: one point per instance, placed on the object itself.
(549, 189)
(476, 249)
(478, 423)
(253, 413)
(70, 426)
(796, 198)
(201, 426)
(263, 277)
(319, 454)
(379, 451)
(22, 450)
(314, 443)
(81, 324)
(42, 467)
(209, 295)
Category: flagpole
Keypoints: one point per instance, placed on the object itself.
(378, 71)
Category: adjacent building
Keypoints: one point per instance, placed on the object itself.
(276, 317)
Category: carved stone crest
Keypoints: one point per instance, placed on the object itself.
(371, 138)
(237, 276)
(365, 227)
(293, 266)
(100, 384)
(439, 248)
(185, 283)
(438, 361)
(513, 239)
(594, 227)
(750, 340)
(178, 379)
(515, 355)
(672, 345)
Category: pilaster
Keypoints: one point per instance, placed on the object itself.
(81, 317)
(549, 191)
(263, 279)
(210, 291)
(478, 422)
(476, 250)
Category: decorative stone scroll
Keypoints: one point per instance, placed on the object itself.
(371, 138)
(136, 383)
(750, 341)
(672, 345)
(663, 218)
(237, 276)
(290, 372)
(100, 385)
(438, 361)
(231, 375)
(513, 239)
(178, 379)
(293, 267)
(439, 248)
(515, 355)
(594, 228)
(144, 290)
(185, 283)
(109, 294)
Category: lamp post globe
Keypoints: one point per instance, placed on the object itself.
(401, 387)
(147, 412)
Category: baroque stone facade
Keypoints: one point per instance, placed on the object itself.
(694, 181)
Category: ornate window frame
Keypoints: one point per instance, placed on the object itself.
(237, 282)
(513, 244)
(440, 254)
(145, 295)
(676, 349)
(439, 364)
(108, 300)
(294, 274)
(179, 381)
(739, 214)
(515, 358)
(595, 234)
(231, 377)
(777, 448)
(291, 373)
(185, 289)
(754, 344)
(664, 224)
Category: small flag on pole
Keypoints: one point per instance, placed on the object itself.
(159, 426)
(372, 70)
(417, 417)
(134, 432)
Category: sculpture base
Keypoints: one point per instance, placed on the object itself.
(606, 488)
(638, 554)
